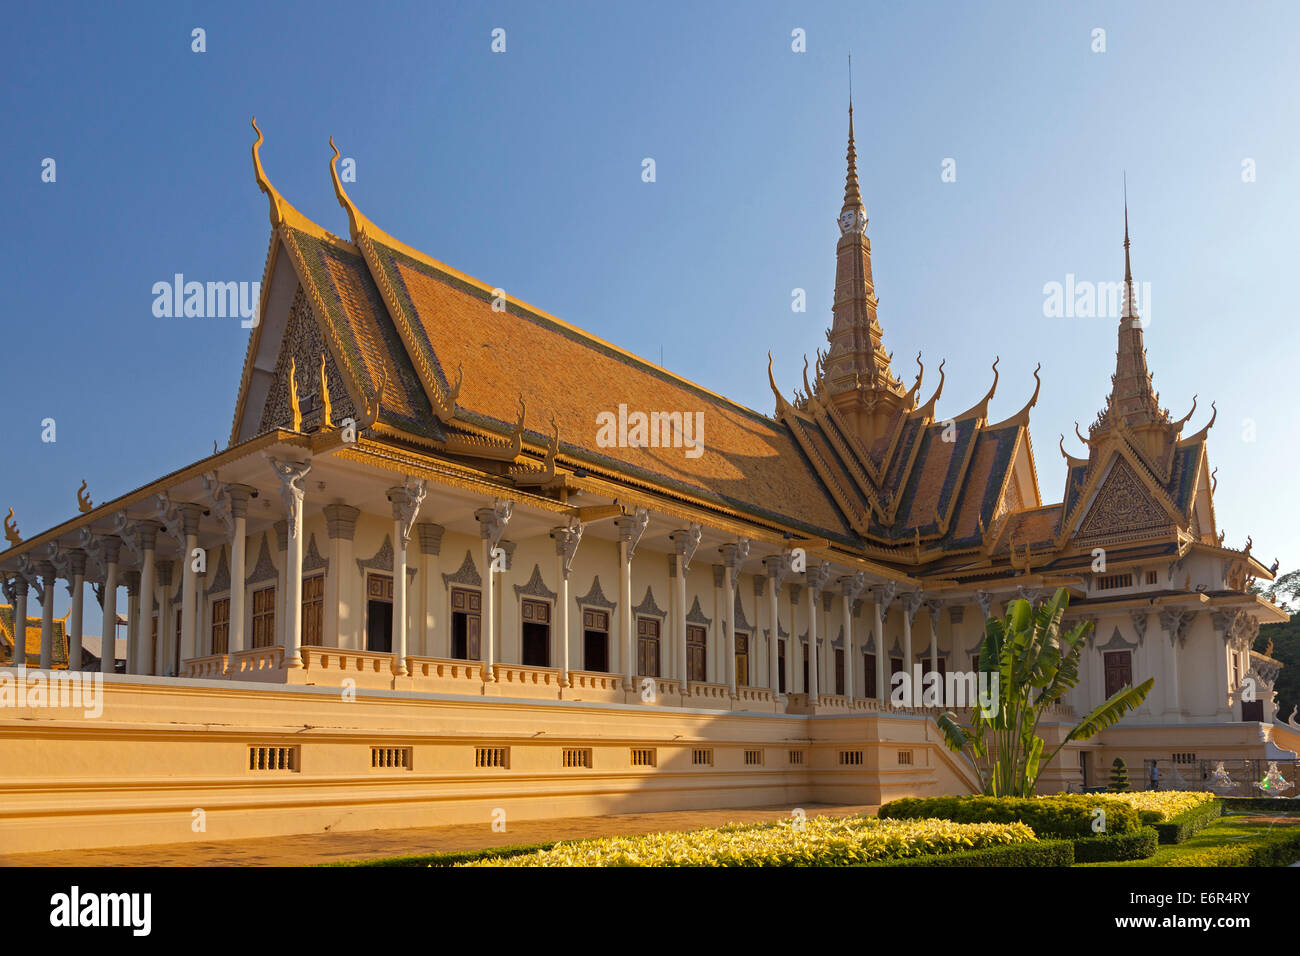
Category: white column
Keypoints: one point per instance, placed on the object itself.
(111, 548)
(935, 608)
(626, 530)
(406, 500)
(794, 659)
(1175, 624)
(189, 515)
(685, 541)
(342, 621)
(733, 560)
(850, 587)
(492, 526)
(911, 602)
(132, 619)
(239, 495)
(48, 581)
(433, 640)
(292, 475)
(566, 546)
(882, 597)
(77, 576)
(163, 654)
(143, 660)
(777, 567)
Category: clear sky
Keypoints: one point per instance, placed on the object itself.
(524, 168)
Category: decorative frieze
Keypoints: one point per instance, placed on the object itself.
(466, 575)
(535, 587)
(649, 608)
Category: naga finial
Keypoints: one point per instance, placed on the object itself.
(11, 529)
(327, 421)
(1214, 482)
(806, 387)
(294, 408)
(263, 183)
(341, 194)
(84, 504)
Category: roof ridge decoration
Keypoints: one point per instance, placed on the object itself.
(528, 476)
(1022, 417)
(980, 410)
(1112, 450)
(926, 411)
(442, 396)
(497, 449)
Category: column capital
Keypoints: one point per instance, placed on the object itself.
(189, 515)
(76, 562)
(406, 499)
(341, 521)
(912, 601)
(132, 581)
(111, 548)
(851, 585)
(292, 474)
(430, 537)
(883, 596)
(631, 527)
(46, 570)
(492, 521)
(735, 555)
(239, 498)
(147, 534)
(162, 571)
(777, 567)
(685, 542)
(817, 576)
(567, 540)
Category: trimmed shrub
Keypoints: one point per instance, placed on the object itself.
(1137, 845)
(1067, 816)
(1042, 853)
(1279, 848)
(1261, 804)
(1118, 776)
(1188, 823)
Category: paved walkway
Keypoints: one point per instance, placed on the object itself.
(312, 848)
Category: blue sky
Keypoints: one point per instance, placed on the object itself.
(523, 168)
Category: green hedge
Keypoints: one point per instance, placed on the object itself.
(1068, 817)
(1041, 853)
(1279, 848)
(1186, 824)
(1137, 845)
(1261, 804)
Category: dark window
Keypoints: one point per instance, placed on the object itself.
(1119, 671)
(536, 633)
(221, 626)
(647, 647)
(595, 641)
(466, 621)
(263, 617)
(1252, 710)
(742, 660)
(870, 669)
(780, 666)
(839, 671)
(313, 610)
(696, 648)
(379, 613)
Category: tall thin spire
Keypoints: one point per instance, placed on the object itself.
(852, 194)
(1129, 311)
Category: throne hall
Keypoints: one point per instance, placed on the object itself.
(415, 587)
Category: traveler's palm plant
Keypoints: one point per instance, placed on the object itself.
(1034, 665)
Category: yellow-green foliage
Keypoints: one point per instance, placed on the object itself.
(1157, 806)
(816, 841)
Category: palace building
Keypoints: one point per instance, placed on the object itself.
(421, 584)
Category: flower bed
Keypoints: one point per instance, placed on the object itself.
(816, 841)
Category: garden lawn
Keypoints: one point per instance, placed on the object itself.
(1231, 841)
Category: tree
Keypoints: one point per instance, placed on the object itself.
(1029, 664)
(1118, 776)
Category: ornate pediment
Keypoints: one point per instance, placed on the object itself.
(1123, 504)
